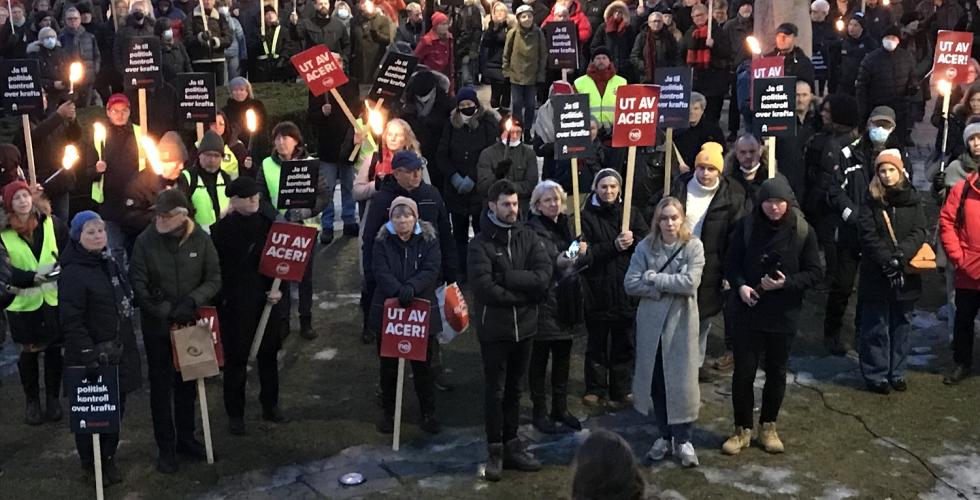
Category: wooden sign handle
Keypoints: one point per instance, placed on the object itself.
(628, 194)
(668, 157)
(202, 398)
(263, 321)
(200, 131)
(577, 209)
(396, 435)
(29, 147)
(97, 461)
(771, 155)
(144, 126)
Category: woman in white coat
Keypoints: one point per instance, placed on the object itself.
(665, 272)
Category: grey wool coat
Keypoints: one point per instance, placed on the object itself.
(668, 313)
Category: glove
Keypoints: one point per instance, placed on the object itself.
(467, 185)
(648, 276)
(406, 294)
(203, 38)
(466, 59)
(298, 214)
(938, 185)
(215, 43)
(893, 271)
(502, 168)
(457, 181)
(185, 313)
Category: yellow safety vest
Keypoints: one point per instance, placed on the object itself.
(22, 257)
(98, 187)
(603, 107)
(271, 171)
(204, 214)
(265, 46)
(368, 146)
(229, 163)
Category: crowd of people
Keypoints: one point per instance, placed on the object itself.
(459, 189)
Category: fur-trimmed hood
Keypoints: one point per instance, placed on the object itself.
(620, 6)
(428, 231)
(481, 114)
(41, 207)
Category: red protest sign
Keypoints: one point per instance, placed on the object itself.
(952, 59)
(405, 330)
(319, 69)
(635, 123)
(765, 67)
(287, 250)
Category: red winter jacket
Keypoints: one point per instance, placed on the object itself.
(961, 240)
(578, 17)
(437, 54)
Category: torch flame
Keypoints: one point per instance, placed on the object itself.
(152, 154)
(944, 86)
(886, 3)
(375, 120)
(753, 44)
(251, 121)
(840, 24)
(71, 156)
(75, 72)
(98, 133)
(509, 125)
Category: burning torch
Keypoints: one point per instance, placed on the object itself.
(252, 124)
(152, 154)
(754, 46)
(98, 138)
(75, 71)
(67, 161)
(839, 24)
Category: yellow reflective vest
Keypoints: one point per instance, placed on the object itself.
(603, 106)
(22, 257)
(204, 214)
(98, 190)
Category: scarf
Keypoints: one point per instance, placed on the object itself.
(383, 166)
(497, 222)
(601, 77)
(120, 286)
(699, 54)
(650, 55)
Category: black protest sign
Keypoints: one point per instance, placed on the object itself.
(572, 127)
(93, 399)
(562, 38)
(195, 97)
(392, 76)
(22, 86)
(141, 63)
(298, 183)
(675, 97)
(775, 109)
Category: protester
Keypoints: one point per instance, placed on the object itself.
(53, 61)
(732, 42)
(847, 54)
(169, 299)
(238, 240)
(241, 98)
(426, 107)
(609, 312)
(822, 29)
(504, 289)
(795, 61)
(665, 272)
(142, 192)
(15, 34)
(173, 54)
(270, 60)
(435, 48)
(492, 55)
(373, 32)
(560, 315)
(701, 130)
(887, 77)
(606, 468)
(571, 10)
(524, 62)
(322, 29)
(616, 33)
(235, 154)
(206, 182)
(50, 137)
(406, 265)
(235, 52)
(33, 238)
(600, 82)
(80, 45)
(773, 258)
(470, 130)
(653, 48)
(96, 315)
(892, 225)
(410, 30)
(137, 24)
(707, 59)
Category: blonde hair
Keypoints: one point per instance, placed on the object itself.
(411, 142)
(543, 188)
(683, 234)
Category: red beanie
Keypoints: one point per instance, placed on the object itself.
(439, 18)
(9, 191)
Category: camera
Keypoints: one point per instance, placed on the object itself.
(771, 264)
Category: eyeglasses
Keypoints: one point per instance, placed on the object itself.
(73, 19)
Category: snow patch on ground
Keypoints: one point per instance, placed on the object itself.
(755, 479)
(837, 492)
(960, 470)
(325, 355)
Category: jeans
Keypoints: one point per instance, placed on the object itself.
(842, 267)
(171, 399)
(107, 442)
(524, 100)
(461, 233)
(749, 347)
(680, 433)
(967, 306)
(884, 342)
(232, 65)
(504, 364)
(560, 352)
(609, 358)
(348, 209)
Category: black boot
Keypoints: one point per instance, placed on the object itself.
(306, 329)
(430, 424)
(517, 457)
(958, 374)
(236, 426)
(495, 462)
(53, 411)
(367, 336)
(192, 448)
(541, 421)
(351, 229)
(387, 424)
(32, 416)
(110, 473)
(274, 414)
(167, 462)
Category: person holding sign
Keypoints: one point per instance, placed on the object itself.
(509, 273)
(406, 265)
(142, 192)
(239, 239)
(610, 313)
(139, 23)
(600, 82)
(33, 239)
(509, 159)
(173, 55)
(174, 270)
(773, 257)
(206, 36)
(96, 313)
(206, 182)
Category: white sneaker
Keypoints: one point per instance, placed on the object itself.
(659, 450)
(686, 453)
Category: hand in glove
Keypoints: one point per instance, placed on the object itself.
(893, 271)
(939, 184)
(648, 276)
(466, 186)
(502, 168)
(185, 313)
(203, 38)
(406, 294)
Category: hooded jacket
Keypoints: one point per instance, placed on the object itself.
(959, 228)
(397, 263)
(907, 217)
(576, 16)
(525, 55)
(509, 272)
(619, 41)
(459, 150)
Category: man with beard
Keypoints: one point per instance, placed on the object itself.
(323, 29)
(600, 82)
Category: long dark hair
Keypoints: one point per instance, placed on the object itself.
(606, 469)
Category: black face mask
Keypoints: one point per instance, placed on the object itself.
(467, 111)
(138, 16)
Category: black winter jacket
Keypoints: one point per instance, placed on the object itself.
(907, 216)
(886, 79)
(92, 311)
(606, 299)
(316, 30)
(797, 64)
(565, 284)
(509, 272)
(397, 263)
(459, 150)
(667, 54)
(492, 53)
(845, 61)
(334, 132)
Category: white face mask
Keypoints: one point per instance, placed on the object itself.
(889, 44)
(168, 35)
(514, 143)
(343, 14)
(224, 11)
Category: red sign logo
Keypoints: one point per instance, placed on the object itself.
(635, 123)
(287, 250)
(952, 58)
(405, 330)
(319, 69)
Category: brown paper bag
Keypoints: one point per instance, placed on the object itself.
(194, 348)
